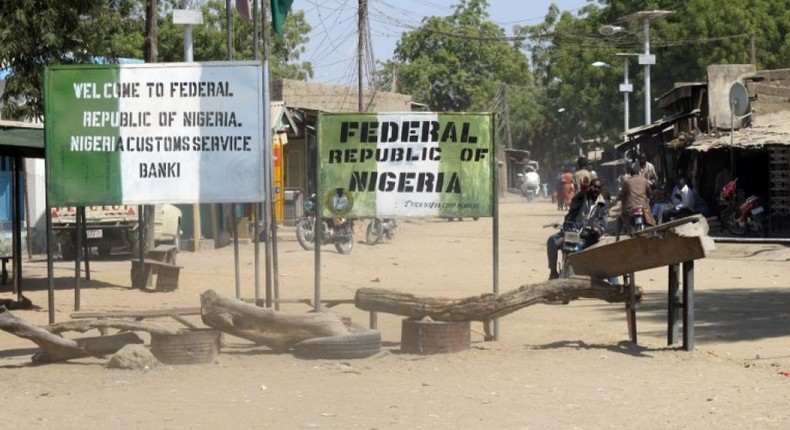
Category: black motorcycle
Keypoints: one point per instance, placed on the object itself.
(575, 237)
(379, 228)
(337, 231)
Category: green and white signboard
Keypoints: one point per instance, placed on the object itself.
(154, 133)
(406, 164)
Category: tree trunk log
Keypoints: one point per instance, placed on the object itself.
(486, 307)
(56, 348)
(278, 331)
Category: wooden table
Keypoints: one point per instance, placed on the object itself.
(659, 246)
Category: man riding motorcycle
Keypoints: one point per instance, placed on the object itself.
(587, 209)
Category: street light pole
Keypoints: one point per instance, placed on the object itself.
(647, 59)
(626, 88)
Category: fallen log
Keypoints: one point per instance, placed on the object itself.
(486, 307)
(56, 348)
(279, 331)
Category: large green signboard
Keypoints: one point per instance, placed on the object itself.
(152, 133)
(406, 164)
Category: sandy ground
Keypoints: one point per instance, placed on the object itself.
(554, 366)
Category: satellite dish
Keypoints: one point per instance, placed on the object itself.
(739, 99)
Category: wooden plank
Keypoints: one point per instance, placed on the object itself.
(163, 253)
(156, 263)
(154, 313)
(636, 254)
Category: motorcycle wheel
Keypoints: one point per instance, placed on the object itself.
(731, 225)
(374, 232)
(346, 244)
(305, 233)
(390, 232)
(566, 271)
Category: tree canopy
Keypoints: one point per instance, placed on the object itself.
(34, 35)
(457, 62)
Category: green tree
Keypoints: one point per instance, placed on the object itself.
(698, 34)
(578, 100)
(456, 63)
(37, 34)
(210, 40)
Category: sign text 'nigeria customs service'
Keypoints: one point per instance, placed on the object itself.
(406, 164)
(153, 133)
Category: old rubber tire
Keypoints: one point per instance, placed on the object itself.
(362, 344)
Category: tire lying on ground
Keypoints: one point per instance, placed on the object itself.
(361, 344)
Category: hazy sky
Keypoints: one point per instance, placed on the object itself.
(333, 44)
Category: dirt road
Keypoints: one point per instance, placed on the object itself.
(553, 367)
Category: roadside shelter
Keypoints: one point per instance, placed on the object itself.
(19, 140)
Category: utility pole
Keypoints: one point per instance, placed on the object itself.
(506, 117)
(188, 18)
(362, 30)
(146, 213)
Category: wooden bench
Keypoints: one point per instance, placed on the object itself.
(163, 253)
(166, 275)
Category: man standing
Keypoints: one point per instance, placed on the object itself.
(647, 170)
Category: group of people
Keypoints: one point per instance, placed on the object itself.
(569, 183)
(590, 204)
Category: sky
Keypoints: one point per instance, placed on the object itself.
(333, 43)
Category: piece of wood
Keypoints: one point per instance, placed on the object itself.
(635, 254)
(164, 253)
(674, 242)
(487, 306)
(89, 347)
(154, 313)
(56, 348)
(277, 330)
(84, 325)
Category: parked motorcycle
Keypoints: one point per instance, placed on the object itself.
(744, 218)
(378, 228)
(337, 231)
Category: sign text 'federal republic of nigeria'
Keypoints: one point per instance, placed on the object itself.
(410, 164)
(151, 133)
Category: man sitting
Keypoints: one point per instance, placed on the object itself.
(684, 201)
(587, 209)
